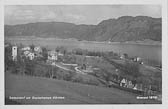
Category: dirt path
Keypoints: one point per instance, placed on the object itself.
(64, 68)
(79, 71)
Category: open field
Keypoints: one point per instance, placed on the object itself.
(73, 93)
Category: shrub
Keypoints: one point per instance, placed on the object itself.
(132, 69)
(29, 67)
(78, 79)
(68, 77)
(44, 53)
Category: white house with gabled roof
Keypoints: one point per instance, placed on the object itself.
(52, 55)
(31, 56)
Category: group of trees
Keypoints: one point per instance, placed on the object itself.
(128, 69)
(86, 52)
(44, 54)
(61, 49)
(109, 54)
(8, 57)
(24, 66)
(132, 69)
(69, 59)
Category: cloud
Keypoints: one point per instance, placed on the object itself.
(154, 10)
(25, 14)
(17, 13)
(79, 14)
(9, 10)
(49, 15)
(75, 16)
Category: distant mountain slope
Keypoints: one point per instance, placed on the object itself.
(125, 28)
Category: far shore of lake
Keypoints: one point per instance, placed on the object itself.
(145, 42)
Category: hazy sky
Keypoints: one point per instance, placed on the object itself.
(78, 14)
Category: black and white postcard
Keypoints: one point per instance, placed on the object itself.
(84, 54)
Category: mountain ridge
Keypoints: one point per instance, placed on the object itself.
(125, 28)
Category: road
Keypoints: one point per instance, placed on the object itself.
(69, 64)
(64, 68)
(79, 71)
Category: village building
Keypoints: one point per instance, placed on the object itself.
(138, 87)
(86, 68)
(37, 55)
(137, 59)
(52, 56)
(26, 49)
(26, 53)
(14, 53)
(122, 57)
(129, 84)
(38, 49)
(123, 82)
(31, 56)
(60, 54)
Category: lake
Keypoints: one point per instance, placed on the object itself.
(150, 52)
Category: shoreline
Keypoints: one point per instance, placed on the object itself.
(146, 42)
